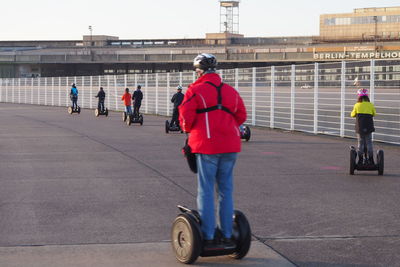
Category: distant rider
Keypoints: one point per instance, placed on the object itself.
(177, 99)
(74, 96)
(137, 97)
(127, 101)
(102, 96)
(364, 111)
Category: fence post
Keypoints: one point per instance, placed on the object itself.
(253, 98)
(342, 98)
(31, 91)
(292, 96)
(221, 74)
(12, 90)
(59, 91)
(67, 93)
(157, 93)
(168, 94)
(194, 76)
(115, 92)
(272, 106)
(180, 78)
(237, 79)
(19, 90)
(135, 82)
(45, 91)
(83, 91)
(7, 80)
(90, 92)
(52, 91)
(25, 91)
(372, 86)
(1, 90)
(146, 94)
(38, 89)
(108, 90)
(372, 81)
(316, 81)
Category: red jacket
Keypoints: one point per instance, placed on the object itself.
(216, 131)
(127, 99)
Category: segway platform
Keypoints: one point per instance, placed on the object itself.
(173, 128)
(98, 112)
(188, 243)
(129, 118)
(76, 110)
(366, 165)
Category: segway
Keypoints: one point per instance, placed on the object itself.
(245, 132)
(174, 128)
(367, 164)
(187, 238)
(130, 118)
(74, 110)
(99, 112)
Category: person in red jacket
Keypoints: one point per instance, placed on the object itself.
(211, 113)
(127, 101)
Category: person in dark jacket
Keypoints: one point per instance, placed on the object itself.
(177, 99)
(211, 113)
(364, 111)
(137, 97)
(102, 96)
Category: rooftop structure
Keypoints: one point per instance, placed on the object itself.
(363, 24)
(229, 16)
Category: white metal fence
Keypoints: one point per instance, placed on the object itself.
(315, 98)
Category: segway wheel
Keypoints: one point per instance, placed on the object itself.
(106, 113)
(96, 112)
(124, 116)
(247, 133)
(70, 110)
(166, 126)
(353, 155)
(241, 234)
(141, 119)
(79, 110)
(128, 120)
(380, 159)
(186, 239)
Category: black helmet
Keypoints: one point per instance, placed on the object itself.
(205, 62)
(139, 87)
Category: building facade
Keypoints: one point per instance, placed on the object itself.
(381, 23)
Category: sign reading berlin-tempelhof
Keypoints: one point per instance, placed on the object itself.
(358, 55)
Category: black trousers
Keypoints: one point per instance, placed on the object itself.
(74, 102)
(100, 105)
(175, 116)
(136, 108)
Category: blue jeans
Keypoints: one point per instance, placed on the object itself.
(215, 169)
(367, 139)
(128, 110)
(74, 102)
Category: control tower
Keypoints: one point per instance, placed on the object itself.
(229, 16)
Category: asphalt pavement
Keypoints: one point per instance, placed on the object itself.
(76, 190)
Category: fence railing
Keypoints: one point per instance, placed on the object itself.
(315, 98)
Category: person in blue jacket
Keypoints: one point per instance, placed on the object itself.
(74, 96)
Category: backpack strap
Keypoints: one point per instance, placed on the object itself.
(219, 105)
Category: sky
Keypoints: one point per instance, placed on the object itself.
(162, 19)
